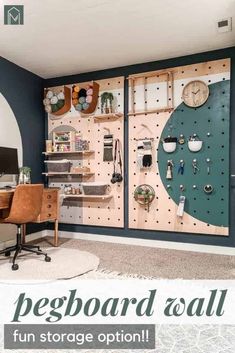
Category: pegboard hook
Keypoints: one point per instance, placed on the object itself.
(107, 129)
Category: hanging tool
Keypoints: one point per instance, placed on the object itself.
(208, 189)
(169, 172)
(181, 167)
(195, 166)
(180, 210)
(208, 161)
(181, 139)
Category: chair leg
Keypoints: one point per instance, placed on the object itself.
(19, 247)
(38, 252)
(14, 265)
(8, 250)
(30, 246)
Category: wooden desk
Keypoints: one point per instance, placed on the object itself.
(49, 210)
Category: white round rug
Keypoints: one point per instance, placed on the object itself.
(65, 264)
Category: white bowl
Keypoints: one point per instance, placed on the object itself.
(194, 146)
(169, 147)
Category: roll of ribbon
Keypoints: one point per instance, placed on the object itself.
(82, 100)
(60, 96)
(60, 103)
(48, 108)
(75, 95)
(46, 101)
(82, 93)
(78, 107)
(85, 106)
(49, 94)
(54, 100)
(89, 99)
(75, 101)
(89, 92)
(76, 89)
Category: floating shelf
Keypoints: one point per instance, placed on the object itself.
(67, 174)
(108, 116)
(144, 112)
(67, 141)
(68, 152)
(101, 197)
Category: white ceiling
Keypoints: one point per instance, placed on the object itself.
(62, 37)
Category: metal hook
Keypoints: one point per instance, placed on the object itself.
(105, 128)
(182, 188)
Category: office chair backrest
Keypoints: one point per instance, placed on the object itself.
(26, 204)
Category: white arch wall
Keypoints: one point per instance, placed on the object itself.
(9, 137)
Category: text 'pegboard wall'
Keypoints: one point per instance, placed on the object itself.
(92, 211)
(179, 145)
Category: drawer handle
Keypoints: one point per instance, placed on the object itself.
(48, 206)
(49, 197)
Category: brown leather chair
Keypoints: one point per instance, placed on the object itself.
(25, 208)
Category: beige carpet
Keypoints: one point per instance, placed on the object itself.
(154, 262)
(65, 263)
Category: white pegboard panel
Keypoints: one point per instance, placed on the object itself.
(162, 214)
(108, 212)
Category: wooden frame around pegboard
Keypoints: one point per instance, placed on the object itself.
(166, 76)
(107, 212)
(155, 123)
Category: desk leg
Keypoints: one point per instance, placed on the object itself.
(23, 233)
(56, 233)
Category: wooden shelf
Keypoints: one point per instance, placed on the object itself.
(108, 116)
(160, 110)
(68, 152)
(83, 196)
(68, 141)
(67, 174)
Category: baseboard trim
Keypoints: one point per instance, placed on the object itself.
(209, 249)
(30, 237)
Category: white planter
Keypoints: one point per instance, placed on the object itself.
(169, 147)
(194, 146)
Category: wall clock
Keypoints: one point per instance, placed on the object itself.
(195, 93)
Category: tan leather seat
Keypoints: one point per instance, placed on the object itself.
(25, 208)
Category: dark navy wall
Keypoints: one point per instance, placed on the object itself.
(24, 91)
(125, 71)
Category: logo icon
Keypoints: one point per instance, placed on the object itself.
(13, 14)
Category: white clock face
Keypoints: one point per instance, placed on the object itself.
(195, 93)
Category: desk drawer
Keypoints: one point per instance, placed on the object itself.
(50, 205)
(5, 200)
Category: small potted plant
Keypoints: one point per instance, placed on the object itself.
(107, 102)
(25, 177)
(144, 195)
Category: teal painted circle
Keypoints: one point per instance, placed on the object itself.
(213, 118)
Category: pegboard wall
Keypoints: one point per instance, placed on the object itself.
(204, 214)
(108, 212)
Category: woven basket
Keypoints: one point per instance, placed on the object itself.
(94, 188)
(62, 166)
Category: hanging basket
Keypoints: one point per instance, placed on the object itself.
(144, 194)
(85, 100)
(61, 106)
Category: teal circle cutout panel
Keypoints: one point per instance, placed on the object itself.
(213, 118)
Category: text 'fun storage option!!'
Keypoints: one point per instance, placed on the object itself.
(80, 153)
(179, 145)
